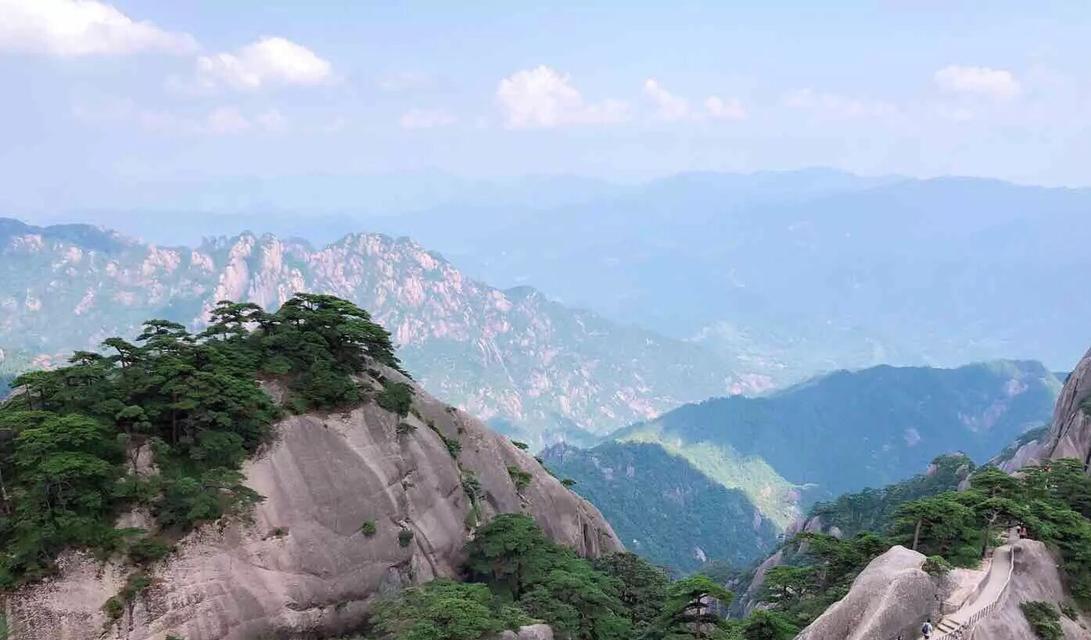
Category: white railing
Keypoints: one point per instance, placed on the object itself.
(965, 629)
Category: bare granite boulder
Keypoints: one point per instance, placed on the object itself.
(1069, 434)
(891, 596)
(1036, 577)
(300, 566)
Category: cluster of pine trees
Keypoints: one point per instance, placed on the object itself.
(75, 442)
(517, 576)
(953, 528)
(1053, 503)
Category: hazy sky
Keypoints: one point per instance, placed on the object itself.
(99, 96)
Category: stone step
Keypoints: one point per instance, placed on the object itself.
(947, 625)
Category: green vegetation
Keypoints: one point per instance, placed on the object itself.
(1043, 619)
(521, 445)
(765, 625)
(936, 566)
(114, 608)
(520, 478)
(888, 422)
(518, 577)
(688, 609)
(148, 550)
(953, 528)
(875, 509)
(821, 575)
(642, 588)
(405, 537)
(775, 496)
(513, 557)
(368, 528)
(71, 440)
(444, 610)
(134, 585)
(1070, 612)
(1053, 502)
(454, 447)
(667, 508)
(396, 397)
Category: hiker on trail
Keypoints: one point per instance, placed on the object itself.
(926, 629)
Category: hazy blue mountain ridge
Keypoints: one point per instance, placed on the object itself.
(535, 367)
(766, 461)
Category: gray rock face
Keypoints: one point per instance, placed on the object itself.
(751, 598)
(891, 596)
(535, 632)
(1035, 577)
(300, 566)
(1070, 434)
(528, 632)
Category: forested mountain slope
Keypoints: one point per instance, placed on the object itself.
(662, 507)
(766, 461)
(849, 430)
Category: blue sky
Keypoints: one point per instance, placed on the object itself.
(101, 96)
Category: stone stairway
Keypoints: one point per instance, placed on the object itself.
(947, 626)
(960, 624)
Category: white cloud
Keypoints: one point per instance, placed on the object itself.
(994, 83)
(270, 61)
(425, 119)
(725, 108)
(271, 120)
(832, 104)
(221, 121)
(669, 106)
(71, 28)
(231, 120)
(951, 112)
(541, 97)
(406, 81)
(226, 120)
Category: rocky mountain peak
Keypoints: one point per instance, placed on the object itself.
(537, 369)
(1069, 434)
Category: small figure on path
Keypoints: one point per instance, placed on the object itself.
(926, 629)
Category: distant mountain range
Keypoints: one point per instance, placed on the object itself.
(794, 273)
(783, 274)
(835, 434)
(535, 368)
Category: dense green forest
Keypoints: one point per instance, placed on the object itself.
(849, 430)
(664, 508)
(876, 509)
(73, 439)
(517, 576)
